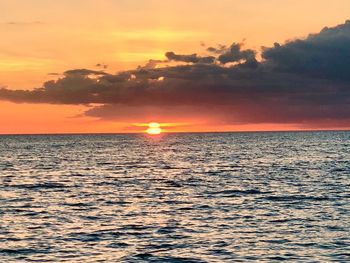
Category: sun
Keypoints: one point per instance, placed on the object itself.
(154, 128)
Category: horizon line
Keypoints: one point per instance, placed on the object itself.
(177, 132)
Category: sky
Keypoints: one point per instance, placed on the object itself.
(89, 66)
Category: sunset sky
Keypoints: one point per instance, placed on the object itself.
(84, 66)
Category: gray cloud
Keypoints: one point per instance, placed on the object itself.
(101, 65)
(153, 63)
(193, 58)
(217, 50)
(84, 72)
(236, 54)
(323, 55)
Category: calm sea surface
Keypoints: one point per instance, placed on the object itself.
(229, 197)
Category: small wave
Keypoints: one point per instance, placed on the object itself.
(118, 245)
(22, 251)
(340, 169)
(121, 203)
(76, 204)
(296, 198)
(237, 192)
(40, 186)
(172, 183)
(135, 227)
(166, 230)
(150, 257)
(278, 258)
(84, 237)
(285, 220)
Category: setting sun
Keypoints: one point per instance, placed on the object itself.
(154, 128)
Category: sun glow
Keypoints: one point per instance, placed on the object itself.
(154, 128)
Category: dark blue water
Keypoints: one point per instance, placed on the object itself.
(236, 197)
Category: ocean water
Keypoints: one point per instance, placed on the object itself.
(215, 197)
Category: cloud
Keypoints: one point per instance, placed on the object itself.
(236, 54)
(322, 55)
(24, 23)
(54, 74)
(217, 50)
(84, 72)
(101, 65)
(193, 58)
(302, 82)
(153, 63)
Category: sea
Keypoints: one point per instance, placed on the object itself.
(186, 197)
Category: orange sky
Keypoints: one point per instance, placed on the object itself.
(41, 37)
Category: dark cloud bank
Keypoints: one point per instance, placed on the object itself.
(304, 81)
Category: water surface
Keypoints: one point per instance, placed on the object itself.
(215, 197)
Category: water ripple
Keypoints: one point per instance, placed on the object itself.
(263, 197)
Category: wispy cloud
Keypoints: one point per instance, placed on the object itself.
(23, 23)
(159, 35)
